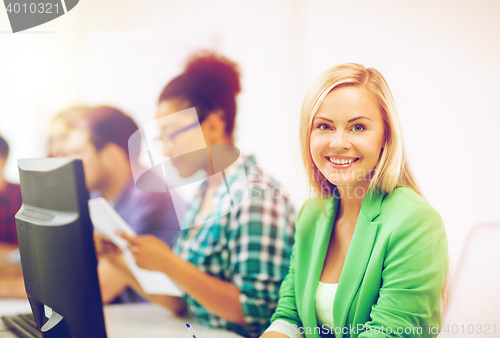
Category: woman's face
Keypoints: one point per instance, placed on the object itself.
(347, 136)
(181, 135)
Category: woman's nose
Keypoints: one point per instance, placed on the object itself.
(340, 140)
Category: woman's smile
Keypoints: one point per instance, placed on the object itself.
(341, 162)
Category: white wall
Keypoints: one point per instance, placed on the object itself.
(440, 60)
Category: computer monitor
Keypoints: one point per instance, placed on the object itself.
(57, 249)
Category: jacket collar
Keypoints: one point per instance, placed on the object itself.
(370, 207)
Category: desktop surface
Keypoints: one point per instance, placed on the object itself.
(138, 320)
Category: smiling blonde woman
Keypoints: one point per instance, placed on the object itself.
(370, 255)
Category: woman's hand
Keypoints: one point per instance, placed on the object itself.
(149, 251)
(104, 248)
(272, 334)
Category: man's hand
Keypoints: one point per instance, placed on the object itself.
(150, 252)
(104, 247)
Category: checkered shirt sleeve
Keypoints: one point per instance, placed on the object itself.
(260, 242)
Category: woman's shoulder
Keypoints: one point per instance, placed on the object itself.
(407, 194)
(257, 196)
(404, 200)
(405, 209)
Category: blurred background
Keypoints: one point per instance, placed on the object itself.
(439, 58)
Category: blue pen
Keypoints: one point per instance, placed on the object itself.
(190, 328)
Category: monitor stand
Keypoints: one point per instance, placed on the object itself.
(53, 327)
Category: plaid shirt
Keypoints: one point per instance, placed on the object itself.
(249, 246)
(10, 203)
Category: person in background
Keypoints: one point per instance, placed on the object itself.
(59, 129)
(11, 280)
(230, 263)
(371, 254)
(99, 137)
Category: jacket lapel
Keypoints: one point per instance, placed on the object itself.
(323, 230)
(357, 258)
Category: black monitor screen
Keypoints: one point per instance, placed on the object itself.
(57, 249)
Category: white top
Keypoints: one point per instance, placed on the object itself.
(325, 295)
(324, 303)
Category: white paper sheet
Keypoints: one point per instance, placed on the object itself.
(108, 221)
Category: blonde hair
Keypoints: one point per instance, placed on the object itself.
(393, 169)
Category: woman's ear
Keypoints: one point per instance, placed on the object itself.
(213, 127)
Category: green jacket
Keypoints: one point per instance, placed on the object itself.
(392, 277)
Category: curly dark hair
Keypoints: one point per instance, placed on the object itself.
(209, 82)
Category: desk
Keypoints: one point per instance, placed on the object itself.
(133, 321)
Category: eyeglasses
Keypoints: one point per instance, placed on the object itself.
(170, 137)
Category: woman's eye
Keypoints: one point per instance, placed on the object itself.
(358, 128)
(323, 126)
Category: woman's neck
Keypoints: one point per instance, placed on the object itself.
(351, 199)
(213, 180)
